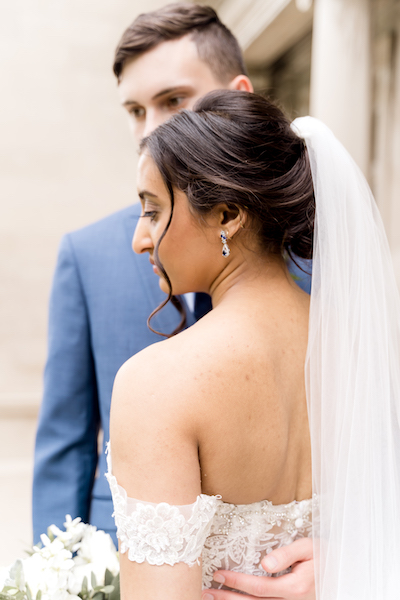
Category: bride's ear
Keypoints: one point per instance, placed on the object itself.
(229, 218)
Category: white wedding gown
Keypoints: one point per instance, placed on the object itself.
(224, 536)
(353, 396)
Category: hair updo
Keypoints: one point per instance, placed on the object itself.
(238, 148)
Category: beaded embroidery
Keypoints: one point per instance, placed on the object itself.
(241, 535)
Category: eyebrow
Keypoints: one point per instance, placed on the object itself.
(164, 92)
(176, 88)
(145, 193)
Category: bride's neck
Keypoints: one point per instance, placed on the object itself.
(243, 278)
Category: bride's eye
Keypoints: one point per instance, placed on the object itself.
(150, 214)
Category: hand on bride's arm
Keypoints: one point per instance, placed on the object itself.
(299, 584)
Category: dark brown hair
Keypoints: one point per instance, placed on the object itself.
(216, 46)
(238, 148)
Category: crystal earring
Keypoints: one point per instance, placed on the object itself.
(224, 239)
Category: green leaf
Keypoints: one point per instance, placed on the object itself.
(107, 589)
(93, 579)
(39, 595)
(28, 592)
(50, 534)
(98, 596)
(108, 577)
(115, 595)
(85, 585)
(17, 574)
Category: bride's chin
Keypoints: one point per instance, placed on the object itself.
(163, 285)
(165, 288)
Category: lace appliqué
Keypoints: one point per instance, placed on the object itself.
(241, 535)
(160, 533)
(225, 536)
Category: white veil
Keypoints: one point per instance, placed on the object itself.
(353, 382)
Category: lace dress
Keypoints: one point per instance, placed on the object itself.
(222, 535)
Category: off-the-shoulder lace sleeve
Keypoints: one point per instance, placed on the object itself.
(160, 533)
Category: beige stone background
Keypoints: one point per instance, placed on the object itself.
(66, 157)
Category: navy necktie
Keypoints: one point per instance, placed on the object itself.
(202, 305)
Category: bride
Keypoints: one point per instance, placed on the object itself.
(210, 429)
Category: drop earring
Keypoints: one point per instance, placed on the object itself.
(224, 239)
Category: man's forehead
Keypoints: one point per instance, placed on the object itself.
(169, 65)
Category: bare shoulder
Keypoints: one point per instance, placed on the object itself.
(216, 351)
(159, 385)
(175, 374)
(215, 357)
(159, 372)
(153, 428)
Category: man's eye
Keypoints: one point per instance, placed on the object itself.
(137, 112)
(175, 102)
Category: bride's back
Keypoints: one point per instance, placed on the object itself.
(243, 363)
(254, 441)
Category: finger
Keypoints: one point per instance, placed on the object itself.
(228, 595)
(282, 558)
(259, 587)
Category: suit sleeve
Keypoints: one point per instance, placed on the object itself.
(66, 442)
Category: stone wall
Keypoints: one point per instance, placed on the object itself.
(66, 159)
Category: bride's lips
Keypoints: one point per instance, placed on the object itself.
(155, 268)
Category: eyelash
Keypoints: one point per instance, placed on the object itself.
(150, 213)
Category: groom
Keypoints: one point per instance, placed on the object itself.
(103, 293)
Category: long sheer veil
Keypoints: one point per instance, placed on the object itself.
(352, 381)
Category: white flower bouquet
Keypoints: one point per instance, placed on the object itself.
(80, 563)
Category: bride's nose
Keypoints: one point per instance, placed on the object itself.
(141, 241)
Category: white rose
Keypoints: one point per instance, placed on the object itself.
(96, 553)
(34, 569)
(48, 568)
(77, 575)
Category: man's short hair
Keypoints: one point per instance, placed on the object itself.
(216, 45)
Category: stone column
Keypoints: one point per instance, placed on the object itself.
(386, 157)
(340, 73)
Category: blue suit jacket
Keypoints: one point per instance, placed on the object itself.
(101, 298)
